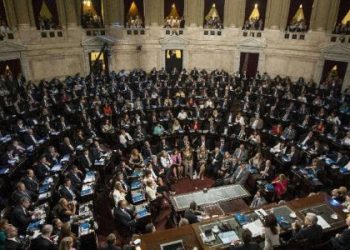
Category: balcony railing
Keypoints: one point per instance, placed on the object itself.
(294, 35)
(212, 32)
(135, 31)
(175, 31)
(51, 33)
(95, 31)
(340, 38)
(8, 35)
(252, 33)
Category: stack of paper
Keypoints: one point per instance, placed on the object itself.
(322, 222)
(228, 237)
(256, 228)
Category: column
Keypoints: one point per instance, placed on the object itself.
(238, 12)
(277, 14)
(10, 13)
(71, 13)
(154, 12)
(229, 10)
(200, 13)
(114, 10)
(333, 15)
(193, 12)
(61, 13)
(22, 14)
(320, 14)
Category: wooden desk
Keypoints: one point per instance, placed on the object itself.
(191, 236)
(185, 233)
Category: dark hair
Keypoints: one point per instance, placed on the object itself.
(271, 222)
(246, 236)
(193, 205)
(149, 228)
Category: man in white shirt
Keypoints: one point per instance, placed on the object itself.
(125, 138)
(182, 115)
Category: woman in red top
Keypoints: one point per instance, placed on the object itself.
(280, 184)
(277, 130)
(107, 110)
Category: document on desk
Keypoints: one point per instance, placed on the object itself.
(322, 222)
(256, 228)
(228, 237)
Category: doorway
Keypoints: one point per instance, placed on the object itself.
(334, 71)
(12, 67)
(173, 59)
(98, 64)
(249, 63)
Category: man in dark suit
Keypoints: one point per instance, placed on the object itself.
(67, 191)
(125, 219)
(311, 230)
(215, 162)
(306, 140)
(247, 242)
(20, 192)
(21, 217)
(86, 160)
(342, 241)
(241, 153)
(31, 182)
(75, 175)
(240, 176)
(43, 241)
(30, 139)
(12, 242)
(42, 169)
(192, 213)
(67, 148)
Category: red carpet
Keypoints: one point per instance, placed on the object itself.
(187, 185)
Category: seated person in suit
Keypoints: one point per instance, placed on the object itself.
(311, 231)
(86, 160)
(341, 241)
(125, 218)
(21, 217)
(240, 176)
(43, 241)
(30, 139)
(192, 214)
(241, 153)
(67, 148)
(246, 244)
(21, 192)
(111, 243)
(67, 191)
(12, 241)
(31, 182)
(42, 169)
(76, 177)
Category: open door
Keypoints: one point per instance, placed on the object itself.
(173, 59)
(100, 64)
(249, 63)
(334, 72)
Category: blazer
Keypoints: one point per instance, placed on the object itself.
(42, 244)
(13, 245)
(125, 220)
(342, 242)
(28, 140)
(31, 184)
(41, 171)
(190, 216)
(249, 246)
(243, 156)
(240, 178)
(312, 233)
(66, 194)
(20, 219)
